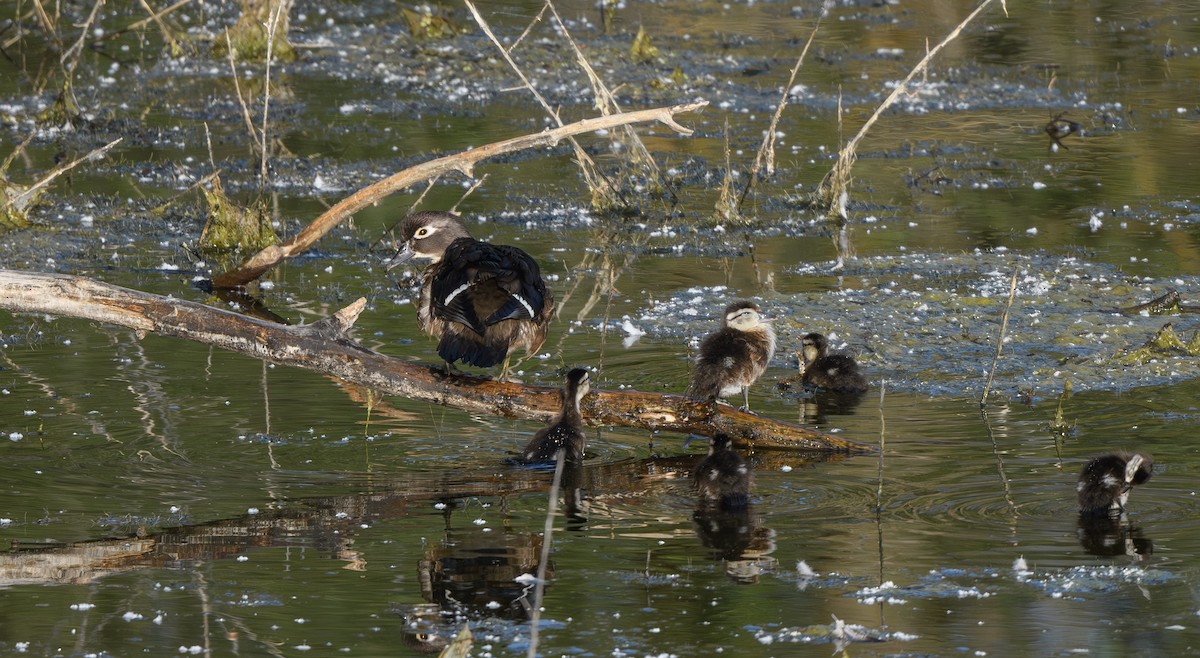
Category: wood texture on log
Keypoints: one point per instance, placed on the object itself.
(324, 347)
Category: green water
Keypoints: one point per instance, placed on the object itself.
(162, 497)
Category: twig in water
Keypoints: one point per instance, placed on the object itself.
(560, 459)
(1012, 291)
(1000, 465)
(21, 199)
(469, 192)
(837, 181)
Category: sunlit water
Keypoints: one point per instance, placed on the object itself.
(226, 506)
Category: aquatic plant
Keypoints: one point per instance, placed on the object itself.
(231, 226)
(260, 32)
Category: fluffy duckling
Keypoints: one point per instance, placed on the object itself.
(1105, 482)
(834, 372)
(732, 357)
(565, 432)
(723, 478)
(481, 301)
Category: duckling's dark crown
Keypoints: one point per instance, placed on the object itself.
(740, 305)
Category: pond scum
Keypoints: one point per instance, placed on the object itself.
(929, 322)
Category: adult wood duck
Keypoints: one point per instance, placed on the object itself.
(723, 478)
(1105, 482)
(565, 431)
(482, 301)
(834, 372)
(732, 357)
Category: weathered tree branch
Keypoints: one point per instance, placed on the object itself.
(324, 347)
(264, 260)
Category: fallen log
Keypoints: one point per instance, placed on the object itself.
(324, 347)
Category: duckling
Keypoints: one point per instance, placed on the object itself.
(565, 432)
(732, 357)
(481, 301)
(723, 478)
(1059, 129)
(835, 372)
(1105, 482)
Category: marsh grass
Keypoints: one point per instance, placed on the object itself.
(260, 33)
(609, 193)
(833, 193)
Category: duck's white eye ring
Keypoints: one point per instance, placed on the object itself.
(423, 231)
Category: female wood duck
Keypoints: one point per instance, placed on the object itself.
(834, 372)
(1105, 482)
(565, 432)
(482, 301)
(732, 357)
(723, 478)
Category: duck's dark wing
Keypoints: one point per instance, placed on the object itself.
(519, 276)
(479, 284)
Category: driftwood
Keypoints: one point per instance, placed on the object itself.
(260, 263)
(324, 347)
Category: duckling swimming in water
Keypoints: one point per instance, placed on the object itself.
(481, 301)
(723, 478)
(735, 355)
(565, 431)
(834, 372)
(1105, 481)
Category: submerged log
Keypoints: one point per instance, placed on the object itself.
(324, 347)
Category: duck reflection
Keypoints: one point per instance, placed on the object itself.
(816, 406)
(1106, 536)
(472, 573)
(723, 519)
(424, 629)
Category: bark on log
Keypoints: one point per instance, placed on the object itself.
(260, 263)
(324, 347)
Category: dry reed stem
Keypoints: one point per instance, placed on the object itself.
(155, 17)
(462, 162)
(987, 387)
(272, 25)
(882, 445)
(529, 28)
(49, 25)
(588, 168)
(766, 151)
(837, 181)
(237, 87)
(465, 195)
(606, 103)
(72, 53)
(539, 587)
(24, 197)
(162, 27)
